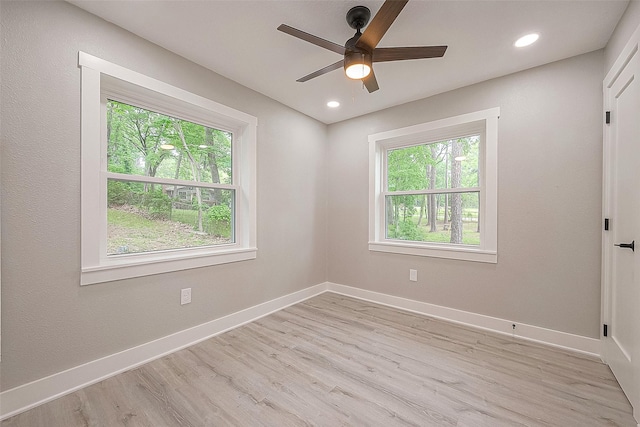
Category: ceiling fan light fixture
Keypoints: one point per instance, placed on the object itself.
(358, 71)
(357, 65)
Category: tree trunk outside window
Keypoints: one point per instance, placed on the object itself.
(213, 164)
(456, 198)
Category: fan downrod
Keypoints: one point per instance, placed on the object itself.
(358, 17)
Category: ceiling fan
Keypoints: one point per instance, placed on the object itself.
(360, 51)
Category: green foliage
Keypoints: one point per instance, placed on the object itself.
(135, 140)
(407, 230)
(117, 193)
(219, 220)
(219, 213)
(195, 205)
(157, 203)
(123, 193)
(154, 202)
(135, 136)
(211, 227)
(406, 168)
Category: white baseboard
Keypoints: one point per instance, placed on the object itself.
(590, 346)
(27, 396)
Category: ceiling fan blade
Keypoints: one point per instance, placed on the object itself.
(322, 71)
(380, 23)
(334, 47)
(370, 82)
(384, 54)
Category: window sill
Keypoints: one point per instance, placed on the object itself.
(119, 267)
(459, 253)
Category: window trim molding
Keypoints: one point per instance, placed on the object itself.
(430, 132)
(95, 266)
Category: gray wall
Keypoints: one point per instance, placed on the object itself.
(49, 322)
(549, 201)
(621, 35)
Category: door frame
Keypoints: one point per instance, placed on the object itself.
(631, 49)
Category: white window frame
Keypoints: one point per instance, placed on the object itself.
(483, 122)
(100, 79)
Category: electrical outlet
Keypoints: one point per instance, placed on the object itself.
(413, 275)
(185, 296)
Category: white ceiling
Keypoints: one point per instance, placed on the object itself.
(239, 40)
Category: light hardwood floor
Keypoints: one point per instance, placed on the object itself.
(337, 361)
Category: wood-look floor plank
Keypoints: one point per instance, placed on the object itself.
(338, 361)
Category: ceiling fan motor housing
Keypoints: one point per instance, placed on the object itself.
(358, 17)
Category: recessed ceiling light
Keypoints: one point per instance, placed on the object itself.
(333, 104)
(526, 40)
(167, 147)
(203, 146)
(460, 158)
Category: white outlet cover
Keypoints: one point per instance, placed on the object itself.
(185, 296)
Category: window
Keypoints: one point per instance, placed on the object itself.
(168, 177)
(433, 188)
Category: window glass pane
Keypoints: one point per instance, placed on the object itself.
(144, 217)
(445, 164)
(142, 142)
(435, 218)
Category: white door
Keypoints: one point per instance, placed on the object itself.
(622, 201)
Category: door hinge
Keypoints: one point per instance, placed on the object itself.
(605, 330)
(606, 224)
(607, 117)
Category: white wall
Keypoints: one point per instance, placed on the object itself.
(549, 201)
(49, 322)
